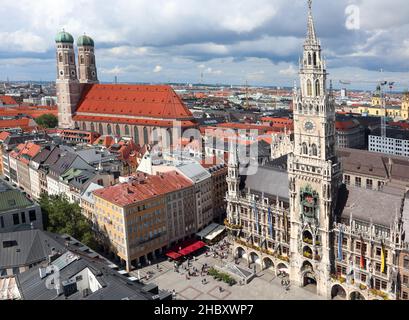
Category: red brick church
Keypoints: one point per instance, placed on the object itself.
(141, 112)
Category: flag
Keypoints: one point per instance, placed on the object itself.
(383, 258)
(270, 223)
(256, 216)
(340, 239)
(362, 262)
(285, 227)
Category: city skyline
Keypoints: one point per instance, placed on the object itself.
(177, 42)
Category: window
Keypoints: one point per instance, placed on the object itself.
(369, 184)
(145, 135)
(317, 88)
(118, 130)
(314, 150)
(378, 251)
(32, 215)
(347, 180)
(23, 217)
(309, 88)
(405, 280)
(109, 129)
(16, 219)
(405, 296)
(1, 222)
(304, 148)
(136, 135)
(358, 182)
(127, 131)
(406, 262)
(358, 246)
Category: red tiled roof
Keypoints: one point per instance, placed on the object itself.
(4, 135)
(143, 187)
(25, 152)
(133, 100)
(23, 123)
(346, 125)
(140, 122)
(7, 100)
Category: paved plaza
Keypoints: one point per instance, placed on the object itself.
(266, 285)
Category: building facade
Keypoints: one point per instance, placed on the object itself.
(303, 220)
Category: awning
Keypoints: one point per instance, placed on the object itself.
(173, 255)
(215, 233)
(206, 231)
(192, 248)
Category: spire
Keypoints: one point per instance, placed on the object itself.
(311, 35)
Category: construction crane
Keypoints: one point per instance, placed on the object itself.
(383, 97)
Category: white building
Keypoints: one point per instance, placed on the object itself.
(396, 142)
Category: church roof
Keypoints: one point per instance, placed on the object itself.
(145, 101)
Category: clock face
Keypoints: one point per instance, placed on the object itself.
(309, 125)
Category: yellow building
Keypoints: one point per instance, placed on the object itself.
(132, 217)
(379, 111)
(405, 106)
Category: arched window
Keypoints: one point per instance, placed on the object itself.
(309, 59)
(170, 136)
(315, 59)
(155, 135)
(314, 150)
(92, 127)
(118, 130)
(317, 88)
(127, 133)
(60, 57)
(82, 59)
(84, 126)
(109, 129)
(309, 88)
(136, 134)
(145, 135)
(101, 129)
(304, 148)
(300, 107)
(76, 125)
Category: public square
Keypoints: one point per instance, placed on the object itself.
(265, 286)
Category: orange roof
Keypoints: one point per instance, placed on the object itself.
(346, 125)
(25, 152)
(106, 141)
(133, 100)
(140, 122)
(8, 100)
(143, 187)
(4, 135)
(244, 126)
(23, 123)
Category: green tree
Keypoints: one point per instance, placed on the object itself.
(62, 217)
(47, 121)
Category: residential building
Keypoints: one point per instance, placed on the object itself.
(33, 248)
(17, 212)
(133, 217)
(82, 275)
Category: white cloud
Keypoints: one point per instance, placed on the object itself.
(157, 69)
(291, 71)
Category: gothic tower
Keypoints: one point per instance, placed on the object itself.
(314, 171)
(233, 183)
(87, 68)
(68, 87)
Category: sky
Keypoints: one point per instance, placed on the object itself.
(228, 41)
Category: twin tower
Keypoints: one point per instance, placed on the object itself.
(70, 80)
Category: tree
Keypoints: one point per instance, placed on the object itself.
(62, 217)
(47, 121)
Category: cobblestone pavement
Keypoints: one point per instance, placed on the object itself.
(266, 286)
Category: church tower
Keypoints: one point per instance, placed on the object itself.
(233, 193)
(87, 68)
(68, 87)
(314, 171)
